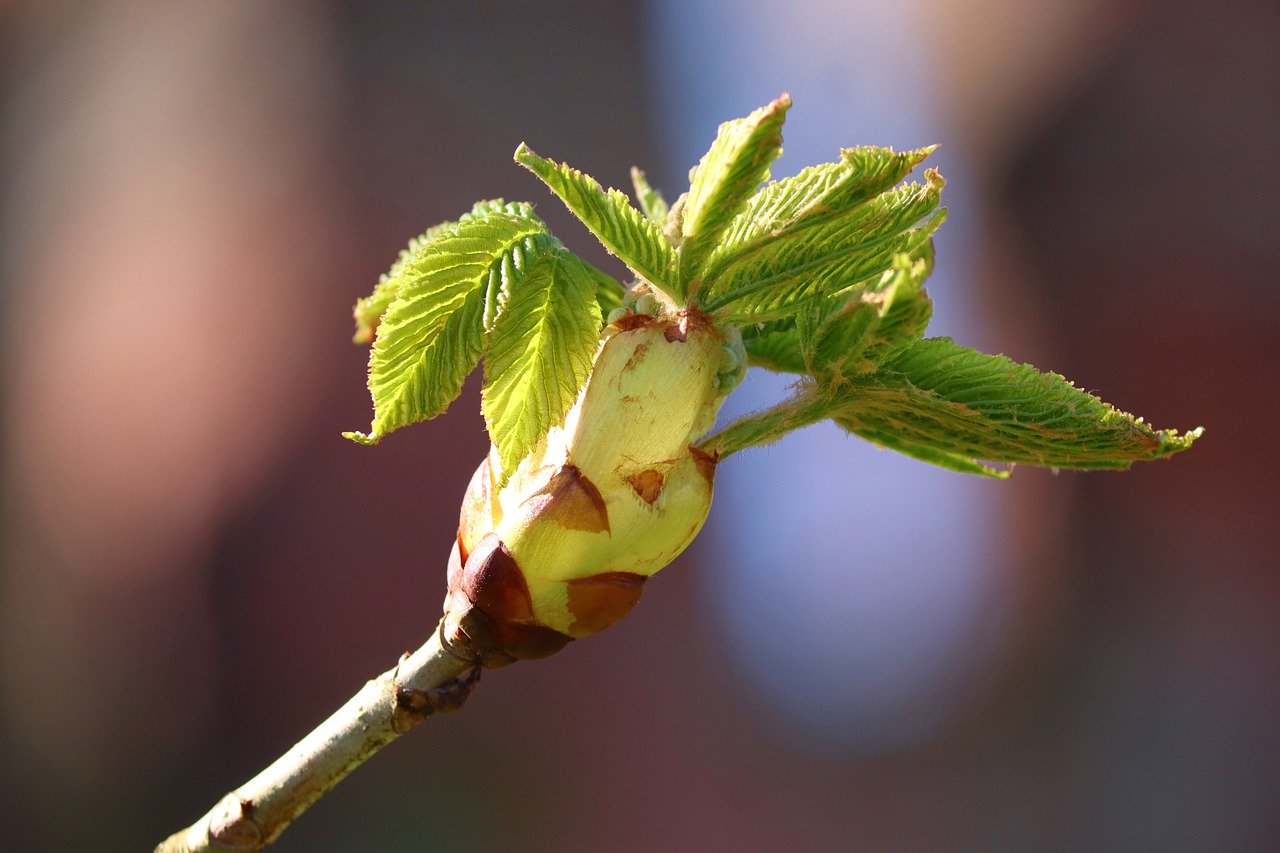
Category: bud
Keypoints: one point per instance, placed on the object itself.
(562, 547)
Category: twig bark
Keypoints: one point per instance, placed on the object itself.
(429, 680)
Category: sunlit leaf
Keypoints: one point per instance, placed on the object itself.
(623, 230)
(942, 398)
(652, 204)
(368, 311)
(821, 261)
(814, 196)
(539, 352)
(431, 335)
(728, 174)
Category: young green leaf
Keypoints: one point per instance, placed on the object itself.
(431, 335)
(775, 346)
(539, 352)
(609, 292)
(842, 339)
(828, 337)
(814, 196)
(887, 438)
(821, 261)
(652, 204)
(622, 229)
(936, 397)
(728, 174)
(908, 313)
(368, 311)
(834, 332)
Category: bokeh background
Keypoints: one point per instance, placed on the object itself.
(859, 653)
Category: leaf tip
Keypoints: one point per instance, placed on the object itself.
(932, 224)
(1173, 442)
(368, 440)
(367, 321)
(524, 155)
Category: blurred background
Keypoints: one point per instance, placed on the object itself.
(860, 652)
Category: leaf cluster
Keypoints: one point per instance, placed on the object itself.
(823, 273)
(493, 284)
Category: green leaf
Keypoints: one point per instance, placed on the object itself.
(775, 346)
(910, 309)
(431, 335)
(782, 274)
(815, 196)
(842, 339)
(937, 400)
(368, 311)
(892, 312)
(652, 204)
(924, 453)
(833, 332)
(728, 174)
(622, 229)
(609, 291)
(539, 352)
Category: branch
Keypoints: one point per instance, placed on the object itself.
(429, 680)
